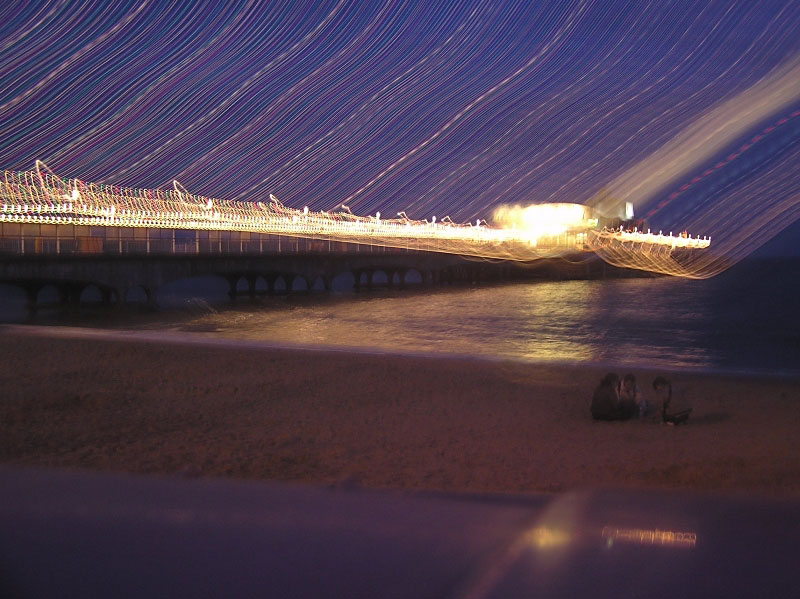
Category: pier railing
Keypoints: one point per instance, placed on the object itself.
(40, 213)
(43, 240)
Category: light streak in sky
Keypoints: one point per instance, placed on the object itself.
(708, 135)
(426, 108)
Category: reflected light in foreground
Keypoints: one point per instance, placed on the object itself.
(543, 537)
(639, 536)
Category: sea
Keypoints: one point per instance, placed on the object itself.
(745, 320)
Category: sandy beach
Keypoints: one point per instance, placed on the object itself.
(130, 404)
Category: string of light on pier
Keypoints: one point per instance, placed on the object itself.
(41, 197)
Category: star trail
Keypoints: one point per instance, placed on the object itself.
(689, 110)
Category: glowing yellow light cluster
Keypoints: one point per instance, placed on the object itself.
(41, 197)
(542, 220)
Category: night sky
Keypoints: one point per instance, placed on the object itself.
(431, 108)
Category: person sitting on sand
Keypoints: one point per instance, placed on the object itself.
(631, 396)
(663, 389)
(605, 401)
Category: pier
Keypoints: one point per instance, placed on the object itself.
(73, 235)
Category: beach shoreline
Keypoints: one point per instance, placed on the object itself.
(150, 403)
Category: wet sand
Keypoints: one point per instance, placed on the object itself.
(172, 407)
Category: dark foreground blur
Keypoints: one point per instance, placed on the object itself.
(101, 535)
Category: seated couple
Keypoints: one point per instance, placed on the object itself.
(621, 400)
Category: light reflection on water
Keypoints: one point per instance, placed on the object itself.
(661, 322)
(625, 321)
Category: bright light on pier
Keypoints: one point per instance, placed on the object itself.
(41, 197)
